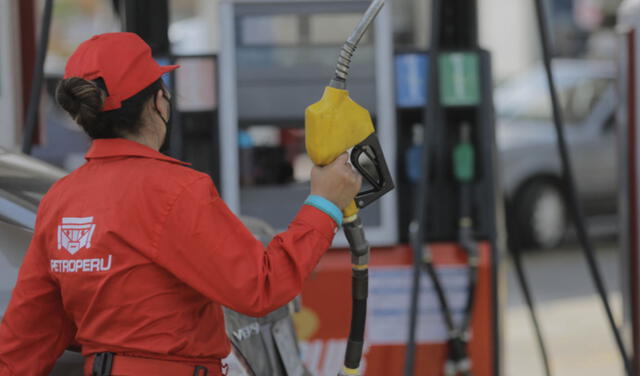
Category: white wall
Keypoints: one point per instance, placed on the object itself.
(508, 30)
(422, 23)
(197, 31)
(10, 93)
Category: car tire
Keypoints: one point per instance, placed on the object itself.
(541, 215)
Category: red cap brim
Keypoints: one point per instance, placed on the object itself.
(168, 68)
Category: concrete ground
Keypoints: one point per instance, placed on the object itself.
(572, 318)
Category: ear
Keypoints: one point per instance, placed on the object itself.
(157, 98)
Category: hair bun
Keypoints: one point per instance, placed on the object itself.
(82, 99)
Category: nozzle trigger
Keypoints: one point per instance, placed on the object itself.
(368, 159)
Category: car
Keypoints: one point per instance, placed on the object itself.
(530, 164)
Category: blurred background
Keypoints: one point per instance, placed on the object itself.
(284, 54)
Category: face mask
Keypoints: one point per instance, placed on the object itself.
(164, 148)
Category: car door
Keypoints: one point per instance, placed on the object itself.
(13, 239)
(605, 184)
(587, 109)
(23, 182)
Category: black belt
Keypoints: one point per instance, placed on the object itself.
(103, 362)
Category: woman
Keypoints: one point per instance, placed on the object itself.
(133, 253)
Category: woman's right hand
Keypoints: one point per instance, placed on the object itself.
(338, 182)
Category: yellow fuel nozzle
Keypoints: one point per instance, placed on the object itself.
(336, 124)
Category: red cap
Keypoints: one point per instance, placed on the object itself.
(122, 60)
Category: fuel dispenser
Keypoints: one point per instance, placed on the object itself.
(457, 184)
(196, 105)
(456, 198)
(410, 72)
(193, 134)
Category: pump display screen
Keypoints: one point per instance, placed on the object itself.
(286, 54)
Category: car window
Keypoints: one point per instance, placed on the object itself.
(29, 190)
(539, 107)
(17, 212)
(23, 183)
(22, 189)
(582, 99)
(576, 102)
(527, 97)
(26, 179)
(14, 241)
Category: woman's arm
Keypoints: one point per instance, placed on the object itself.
(205, 245)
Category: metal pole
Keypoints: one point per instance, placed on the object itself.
(38, 79)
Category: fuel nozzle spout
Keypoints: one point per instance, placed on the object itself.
(339, 80)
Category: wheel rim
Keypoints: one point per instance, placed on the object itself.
(548, 218)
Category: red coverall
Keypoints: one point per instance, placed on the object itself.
(134, 253)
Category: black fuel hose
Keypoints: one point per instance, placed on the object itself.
(515, 247)
(37, 79)
(570, 189)
(359, 249)
(468, 244)
(355, 343)
(458, 361)
(417, 226)
(352, 225)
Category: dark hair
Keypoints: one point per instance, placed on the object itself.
(84, 99)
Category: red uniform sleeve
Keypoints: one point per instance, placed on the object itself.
(206, 246)
(35, 330)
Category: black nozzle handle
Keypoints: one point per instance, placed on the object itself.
(381, 181)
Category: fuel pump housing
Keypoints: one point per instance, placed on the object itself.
(459, 192)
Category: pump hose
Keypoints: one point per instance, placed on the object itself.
(339, 80)
(458, 361)
(570, 188)
(515, 247)
(467, 243)
(457, 335)
(352, 226)
(359, 249)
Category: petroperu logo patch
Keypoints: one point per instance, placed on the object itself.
(75, 233)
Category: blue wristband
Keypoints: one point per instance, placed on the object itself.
(326, 206)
